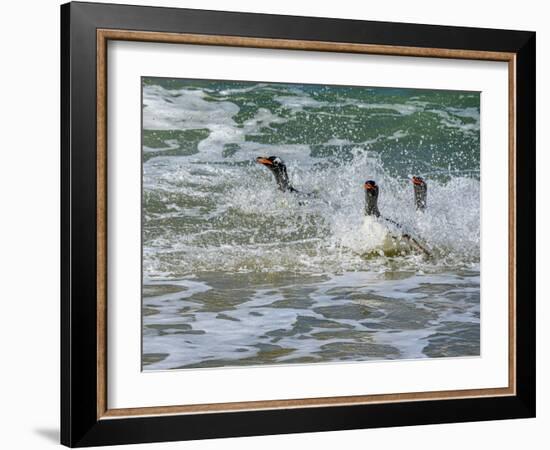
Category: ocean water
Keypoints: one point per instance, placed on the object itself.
(236, 272)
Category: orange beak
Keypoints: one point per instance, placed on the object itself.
(369, 186)
(417, 181)
(263, 160)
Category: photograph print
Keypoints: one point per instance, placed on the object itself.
(305, 223)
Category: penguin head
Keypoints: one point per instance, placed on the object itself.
(371, 188)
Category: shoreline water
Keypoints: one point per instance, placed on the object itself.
(238, 273)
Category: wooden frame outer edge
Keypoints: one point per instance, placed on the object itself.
(512, 296)
(103, 36)
(101, 225)
(281, 44)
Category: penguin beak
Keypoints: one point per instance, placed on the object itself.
(263, 160)
(417, 181)
(369, 187)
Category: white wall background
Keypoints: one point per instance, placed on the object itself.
(29, 223)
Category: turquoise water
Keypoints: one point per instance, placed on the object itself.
(236, 272)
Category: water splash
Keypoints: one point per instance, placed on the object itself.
(229, 216)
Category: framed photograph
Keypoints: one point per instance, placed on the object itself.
(276, 224)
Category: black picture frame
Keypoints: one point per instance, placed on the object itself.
(80, 425)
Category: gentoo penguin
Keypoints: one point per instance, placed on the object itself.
(389, 229)
(371, 199)
(278, 168)
(420, 193)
